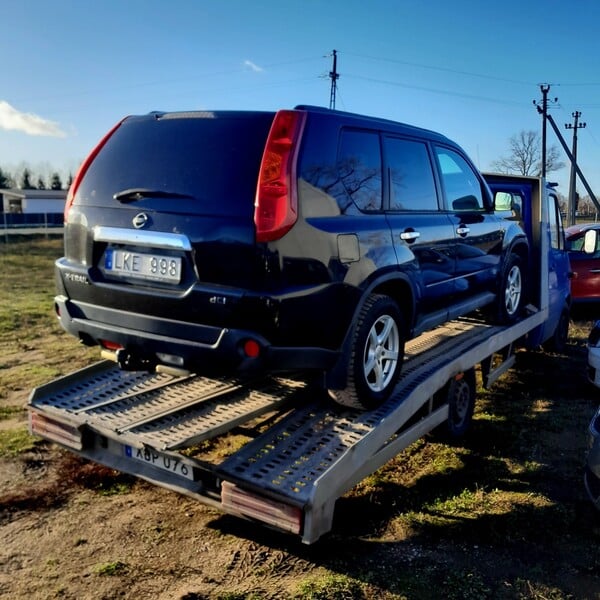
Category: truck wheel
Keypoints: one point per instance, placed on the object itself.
(460, 392)
(511, 294)
(376, 354)
(558, 341)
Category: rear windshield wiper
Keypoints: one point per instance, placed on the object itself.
(135, 194)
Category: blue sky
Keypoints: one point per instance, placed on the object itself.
(469, 69)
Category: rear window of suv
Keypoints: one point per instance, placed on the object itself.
(213, 158)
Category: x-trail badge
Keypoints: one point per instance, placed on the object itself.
(140, 220)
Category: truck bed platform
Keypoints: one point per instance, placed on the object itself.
(294, 451)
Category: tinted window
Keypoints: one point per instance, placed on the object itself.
(555, 223)
(461, 184)
(212, 157)
(359, 168)
(412, 186)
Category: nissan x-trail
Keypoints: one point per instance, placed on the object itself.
(224, 242)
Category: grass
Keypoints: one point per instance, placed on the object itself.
(34, 347)
(10, 412)
(15, 441)
(499, 514)
(110, 569)
(330, 587)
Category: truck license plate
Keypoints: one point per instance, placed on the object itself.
(154, 267)
(162, 461)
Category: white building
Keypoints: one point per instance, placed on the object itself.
(33, 201)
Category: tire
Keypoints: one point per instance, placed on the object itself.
(375, 356)
(511, 293)
(558, 341)
(460, 393)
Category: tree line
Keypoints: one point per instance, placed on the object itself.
(27, 180)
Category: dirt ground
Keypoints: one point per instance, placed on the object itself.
(72, 529)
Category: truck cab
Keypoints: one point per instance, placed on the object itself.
(516, 197)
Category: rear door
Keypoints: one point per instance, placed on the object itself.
(423, 233)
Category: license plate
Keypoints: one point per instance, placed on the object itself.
(155, 267)
(161, 461)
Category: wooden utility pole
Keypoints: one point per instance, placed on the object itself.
(543, 110)
(334, 76)
(573, 179)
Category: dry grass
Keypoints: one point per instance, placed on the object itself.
(499, 514)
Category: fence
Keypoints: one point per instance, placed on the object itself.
(31, 224)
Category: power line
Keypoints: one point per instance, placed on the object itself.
(437, 68)
(434, 90)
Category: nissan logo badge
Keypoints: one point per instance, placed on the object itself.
(140, 220)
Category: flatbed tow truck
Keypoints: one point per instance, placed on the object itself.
(295, 451)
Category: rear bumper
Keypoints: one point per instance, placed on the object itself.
(201, 348)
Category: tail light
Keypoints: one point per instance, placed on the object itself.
(85, 165)
(276, 206)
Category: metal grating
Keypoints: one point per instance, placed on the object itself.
(96, 385)
(216, 415)
(135, 410)
(169, 413)
(291, 456)
(161, 410)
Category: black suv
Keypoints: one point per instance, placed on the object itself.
(259, 241)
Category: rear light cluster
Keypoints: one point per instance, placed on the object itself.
(85, 165)
(276, 205)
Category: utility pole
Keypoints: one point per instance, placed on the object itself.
(572, 181)
(543, 110)
(334, 76)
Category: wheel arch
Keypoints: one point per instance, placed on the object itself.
(520, 247)
(398, 287)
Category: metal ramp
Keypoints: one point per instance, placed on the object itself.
(305, 452)
(162, 411)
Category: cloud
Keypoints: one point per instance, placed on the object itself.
(254, 67)
(11, 118)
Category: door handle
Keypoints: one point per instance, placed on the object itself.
(410, 235)
(462, 230)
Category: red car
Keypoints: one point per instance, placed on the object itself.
(583, 244)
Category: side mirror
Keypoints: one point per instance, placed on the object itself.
(503, 201)
(589, 241)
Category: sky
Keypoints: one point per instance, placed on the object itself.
(469, 69)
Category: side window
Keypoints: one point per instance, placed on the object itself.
(555, 222)
(575, 244)
(461, 184)
(359, 169)
(411, 181)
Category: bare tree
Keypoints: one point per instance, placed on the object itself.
(526, 156)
